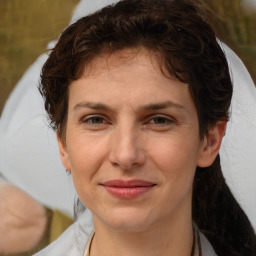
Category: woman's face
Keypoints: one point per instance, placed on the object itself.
(132, 142)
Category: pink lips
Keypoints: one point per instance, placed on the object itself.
(127, 189)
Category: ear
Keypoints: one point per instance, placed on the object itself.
(63, 152)
(211, 144)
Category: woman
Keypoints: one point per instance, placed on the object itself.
(139, 94)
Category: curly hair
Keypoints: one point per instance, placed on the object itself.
(179, 33)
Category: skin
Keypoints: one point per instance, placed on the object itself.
(23, 220)
(127, 121)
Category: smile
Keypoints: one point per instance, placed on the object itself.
(128, 189)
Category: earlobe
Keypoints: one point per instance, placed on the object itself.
(63, 153)
(211, 144)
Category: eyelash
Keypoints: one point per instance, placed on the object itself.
(89, 120)
(154, 121)
(167, 120)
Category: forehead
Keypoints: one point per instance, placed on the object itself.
(128, 78)
(130, 69)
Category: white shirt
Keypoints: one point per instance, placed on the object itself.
(77, 238)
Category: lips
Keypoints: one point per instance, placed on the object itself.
(128, 189)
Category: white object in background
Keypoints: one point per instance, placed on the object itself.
(238, 150)
(29, 157)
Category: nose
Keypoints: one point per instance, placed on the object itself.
(127, 149)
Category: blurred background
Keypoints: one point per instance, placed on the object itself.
(27, 26)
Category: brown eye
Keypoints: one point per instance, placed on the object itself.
(96, 120)
(160, 123)
(160, 120)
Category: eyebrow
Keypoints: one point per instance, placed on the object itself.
(92, 105)
(162, 105)
(147, 107)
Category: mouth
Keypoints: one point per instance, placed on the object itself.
(128, 189)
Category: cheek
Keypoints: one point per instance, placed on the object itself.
(85, 152)
(86, 157)
(176, 158)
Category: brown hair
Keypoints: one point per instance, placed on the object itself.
(178, 32)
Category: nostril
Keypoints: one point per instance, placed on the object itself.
(115, 164)
(127, 163)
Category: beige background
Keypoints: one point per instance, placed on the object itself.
(26, 27)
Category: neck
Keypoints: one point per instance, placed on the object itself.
(172, 238)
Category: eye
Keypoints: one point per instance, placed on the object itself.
(160, 120)
(94, 122)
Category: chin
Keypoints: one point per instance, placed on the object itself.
(128, 221)
(128, 226)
